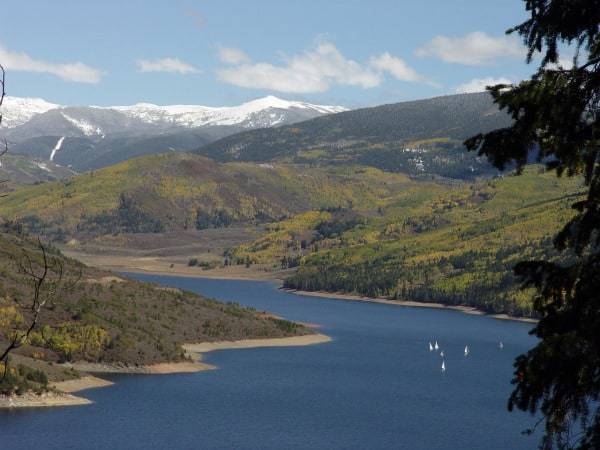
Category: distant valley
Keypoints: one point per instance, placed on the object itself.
(381, 201)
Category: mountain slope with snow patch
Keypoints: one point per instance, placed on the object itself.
(19, 110)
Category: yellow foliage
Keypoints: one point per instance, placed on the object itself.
(72, 338)
(10, 317)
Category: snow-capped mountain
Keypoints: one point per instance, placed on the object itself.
(101, 121)
(263, 112)
(19, 110)
(87, 137)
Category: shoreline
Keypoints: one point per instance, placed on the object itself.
(80, 384)
(277, 277)
(164, 368)
(136, 265)
(410, 304)
(292, 341)
(156, 266)
(47, 399)
(213, 274)
(216, 275)
(62, 395)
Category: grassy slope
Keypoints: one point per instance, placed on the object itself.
(106, 320)
(172, 188)
(457, 245)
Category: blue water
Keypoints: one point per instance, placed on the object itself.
(375, 386)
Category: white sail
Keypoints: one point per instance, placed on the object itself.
(430, 347)
(443, 366)
(466, 350)
(436, 346)
(501, 345)
(442, 353)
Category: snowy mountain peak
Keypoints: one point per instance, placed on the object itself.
(271, 101)
(245, 115)
(19, 110)
(27, 118)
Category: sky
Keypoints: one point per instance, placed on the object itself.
(224, 52)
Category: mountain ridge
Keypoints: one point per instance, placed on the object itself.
(416, 137)
(20, 110)
(90, 137)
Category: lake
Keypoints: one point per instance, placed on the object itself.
(376, 385)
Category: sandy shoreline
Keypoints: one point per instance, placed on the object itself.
(79, 384)
(140, 265)
(62, 394)
(193, 351)
(153, 369)
(159, 266)
(275, 278)
(410, 304)
(152, 266)
(294, 341)
(46, 399)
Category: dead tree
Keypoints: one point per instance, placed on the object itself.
(44, 272)
(46, 275)
(4, 150)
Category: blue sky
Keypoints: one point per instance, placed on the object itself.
(224, 52)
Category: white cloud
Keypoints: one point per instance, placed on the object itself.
(564, 62)
(267, 76)
(231, 55)
(76, 72)
(317, 70)
(172, 65)
(396, 67)
(479, 84)
(476, 48)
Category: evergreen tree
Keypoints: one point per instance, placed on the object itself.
(556, 116)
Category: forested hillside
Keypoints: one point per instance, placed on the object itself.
(345, 228)
(415, 137)
(98, 317)
(456, 245)
(177, 191)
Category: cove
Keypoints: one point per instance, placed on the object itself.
(376, 385)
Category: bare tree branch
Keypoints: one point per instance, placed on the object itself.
(2, 87)
(45, 290)
(4, 149)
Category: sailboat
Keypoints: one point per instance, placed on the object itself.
(436, 346)
(466, 350)
(430, 347)
(442, 353)
(443, 366)
(501, 345)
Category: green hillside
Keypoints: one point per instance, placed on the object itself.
(346, 228)
(177, 190)
(455, 245)
(108, 319)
